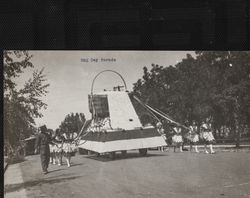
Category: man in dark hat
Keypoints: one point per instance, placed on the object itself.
(42, 145)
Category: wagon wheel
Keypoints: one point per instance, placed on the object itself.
(124, 153)
(112, 155)
(143, 152)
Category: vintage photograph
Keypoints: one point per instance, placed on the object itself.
(126, 124)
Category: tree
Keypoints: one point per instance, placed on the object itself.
(153, 90)
(21, 105)
(212, 87)
(231, 90)
(72, 123)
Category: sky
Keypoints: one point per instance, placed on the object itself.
(70, 75)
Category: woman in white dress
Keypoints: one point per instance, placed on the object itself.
(193, 137)
(177, 139)
(68, 149)
(59, 139)
(207, 136)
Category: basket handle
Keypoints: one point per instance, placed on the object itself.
(92, 86)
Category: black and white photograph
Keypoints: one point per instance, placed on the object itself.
(126, 123)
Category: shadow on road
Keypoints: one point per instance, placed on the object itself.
(105, 158)
(29, 184)
(51, 171)
(77, 164)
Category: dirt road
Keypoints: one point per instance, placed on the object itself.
(161, 175)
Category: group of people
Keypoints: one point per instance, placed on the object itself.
(193, 136)
(61, 145)
(53, 147)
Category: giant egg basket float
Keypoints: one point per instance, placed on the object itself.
(115, 125)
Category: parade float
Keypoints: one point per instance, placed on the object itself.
(115, 125)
